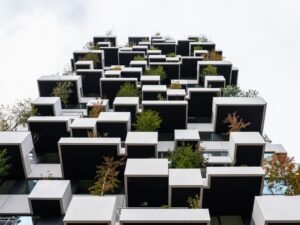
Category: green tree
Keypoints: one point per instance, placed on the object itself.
(91, 57)
(187, 157)
(13, 116)
(194, 202)
(4, 165)
(147, 121)
(64, 91)
(171, 54)
(128, 90)
(282, 174)
(209, 71)
(156, 70)
(235, 91)
(139, 58)
(107, 176)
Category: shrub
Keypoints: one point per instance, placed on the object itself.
(213, 56)
(209, 70)
(139, 58)
(186, 157)
(148, 121)
(91, 57)
(4, 166)
(116, 68)
(63, 90)
(175, 86)
(171, 54)
(235, 123)
(235, 91)
(194, 202)
(128, 90)
(159, 70)
(197, 47)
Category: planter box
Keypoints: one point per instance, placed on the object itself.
(87, 152)
(46, 84)
(146, 182)
(132, 72)
(110, 87)
(111, 56)
(90, 82)
(249, 109)
(176, 94)
(188, 67)
(150, 80)
(47, 106)
(164, 216)
(246, 148)
(184, 183)
(141, 144)
(102, 210)
(172, 70)
(82, 126)
(127, 104)
(222, 194)
(125, 57)
(77, 55)
(145, 43)
(50, 197)
(18, 146)
(214, 82)
(111, 39)
(172, 113)
(187, 137)
(184, 83)
(201, 98)
(115, 124)
(49, 130)
(152, 92)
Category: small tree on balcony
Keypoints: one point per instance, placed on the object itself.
(91, 57)
(147, 121)
(139, 58)
(235, 91)
(97, 108)
(128, 90)
(282, 174)
(4, 165)
(194, 202)
(157, 70)
(235, 123)
(64, 91)
(209, 71)
(107, 176)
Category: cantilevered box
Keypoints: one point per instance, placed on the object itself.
(154, 92)
(125, 57)
(146, 182)
(139, 64)
(87, 210)
(50, 197)
(127, 104)
(187, 137)
(176, 94)
(214, 82)
(150, 80)
(84, 65)
(83, 127)
(132, 72)
(47, 106)
(90, 82)
(183, 184)
(141, 144)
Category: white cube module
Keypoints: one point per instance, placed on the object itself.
(18, 145)
(184, 183)
(154, 92)
(47, 106)
(127, 104)
(50, 197)
(112, 73)
(150, 80)
(214, 82)
(176, 94)
(164, 216)
(276, 210)
(101, 44)
(154, 52)
(83, 127)
(85, 209)
(141, 144)
(84, 65)
(187, 138)
(200, 52)
(142, 64)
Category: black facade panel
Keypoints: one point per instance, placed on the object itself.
(183, 47)
(249, 155)
(166, 48)
(112, 40)
(127, 74)
(234, 77)
(46, 207)
(154, 95)
(181, 195)
(126, 57)
(44, 110)
(215, 84)
(127, 108)
(117, 129)
(188, 68)
(140, 151)
(90, 83)
(111, 56)
(80, 132)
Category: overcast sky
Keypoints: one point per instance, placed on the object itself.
(260, 37)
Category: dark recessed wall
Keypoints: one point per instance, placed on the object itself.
(110, 88)
(215, 84)
(223, 70)
(153, 95)
(181, 195)
(252, 114)
(117, 129)
(188, 68)
(176, 98)
(234, 77)
(112, 40)
(111, 56)
(46, 89)
(249, 155)
(231, 195)
(16, 171)
(84, 67)
(49, 134)
(165, 48)
(157, 60)
(78, 55)
(209, 47)
(183, 47)
(200, 104)
(172, 71)
(81, 132)
(90, 83)
(126, 57)
(45, 110)
(173, 116)
(153, 190)
(149, 82)
(144, 223)
(139, 66)
(87, 223)
(127, 108)
(140, 151)
(46, 207)
(128, 74)
(80, 161)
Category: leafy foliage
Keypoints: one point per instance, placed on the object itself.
(139, 58)
(235, 123)
(235, 91)
(147, 121)
(171, 54)
(209, 71)
(283, 174)
(4, 166)
(128, 90)
(187, 157)
(116, 68)
(213, 56)
(160, 97)
(13, 116)
(197, 47)
(91, 46)
(175, 86)
(159, 70)
(194, 202)
(91, 57)
(93, 134)
(96, 109)
(63, 90)
(107, 176)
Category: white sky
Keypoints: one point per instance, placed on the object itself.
(261, 37)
